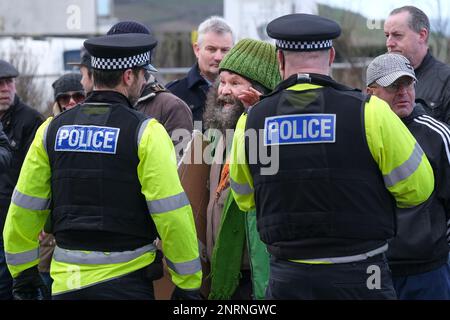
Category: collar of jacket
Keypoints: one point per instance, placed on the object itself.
(111, 97)
(194, 78)
(425, 62)
(314, 78)
(417, 111)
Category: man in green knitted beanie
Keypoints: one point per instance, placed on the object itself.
(239, 260)
(249, 70)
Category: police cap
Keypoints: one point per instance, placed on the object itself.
(121, 51)
(7, 70)
(85, 59)
(303, 32)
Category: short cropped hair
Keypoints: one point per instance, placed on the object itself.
(213, 24)
(418, 19)
(110, 79)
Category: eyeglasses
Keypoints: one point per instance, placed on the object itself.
(64, 99)
(6, 81)
(407, 83)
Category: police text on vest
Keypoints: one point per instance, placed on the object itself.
(77, 138)
(300, 129)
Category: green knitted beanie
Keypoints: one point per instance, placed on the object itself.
(255, 60)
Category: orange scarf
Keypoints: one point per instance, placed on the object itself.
(224, 180)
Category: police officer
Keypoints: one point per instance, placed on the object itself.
(343, 161)
(107, 175)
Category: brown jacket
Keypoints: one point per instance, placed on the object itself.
(172, 112)
(46, 247)
(216, 204)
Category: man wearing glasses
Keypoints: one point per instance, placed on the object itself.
(418, 255)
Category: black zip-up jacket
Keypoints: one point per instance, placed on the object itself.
(192, 89)
(20, 123)
(5, 151)
(434, 87)
(420, 244)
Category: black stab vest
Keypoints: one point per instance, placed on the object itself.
(97, 203)
(327, 199)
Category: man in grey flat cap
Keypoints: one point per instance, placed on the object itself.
(20, 123)
(418, 255)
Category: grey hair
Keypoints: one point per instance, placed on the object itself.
(418, 19)
(213, 24)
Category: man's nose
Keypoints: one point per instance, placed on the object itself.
(226, 90)
(390, 43)
(218, 55)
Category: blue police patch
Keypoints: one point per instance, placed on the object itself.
(87, 139)
(300, 129)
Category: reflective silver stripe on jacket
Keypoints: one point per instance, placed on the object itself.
(347, 259)
(96, 257)
(44, 138)
(242, 189)
(406, 169)
(29, 202)
(184, 268)
(168, 204)
(141, 130)
(16, 259)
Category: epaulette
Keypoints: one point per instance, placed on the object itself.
(151, 90)
(157, 87)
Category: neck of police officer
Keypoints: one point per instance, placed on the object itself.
(119, 88)
(318, 62)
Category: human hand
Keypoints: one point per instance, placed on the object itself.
(42, 235)
(249, 97)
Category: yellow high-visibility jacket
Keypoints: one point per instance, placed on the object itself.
(157, 173)
(383, 130)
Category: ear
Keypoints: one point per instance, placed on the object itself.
(128, 77)
(196, 49)
(332, 56)
(281, 62)
(423, 35)
(369, 90)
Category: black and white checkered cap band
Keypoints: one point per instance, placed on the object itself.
(120, 63)
(304, 45)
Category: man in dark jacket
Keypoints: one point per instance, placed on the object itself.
(215, 39)
(407, 30)
(20, 123)
(419, 252)
(5, 149)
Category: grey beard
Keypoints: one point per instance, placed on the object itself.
(217, 117)
(4, 107)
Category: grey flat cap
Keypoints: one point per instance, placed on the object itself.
(7, 70)
(387, 68)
